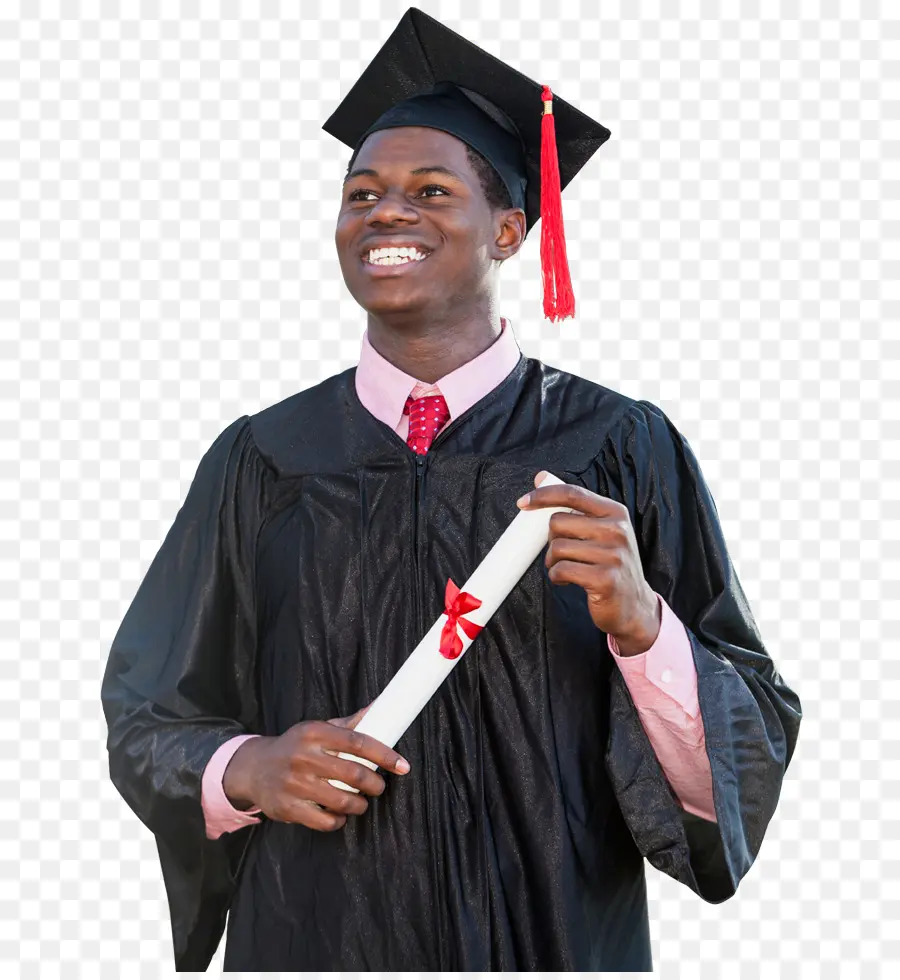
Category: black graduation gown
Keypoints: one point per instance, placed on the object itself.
(307, 561)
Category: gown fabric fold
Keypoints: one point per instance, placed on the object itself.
(308, 559)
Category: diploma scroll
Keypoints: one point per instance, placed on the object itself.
(443, 646)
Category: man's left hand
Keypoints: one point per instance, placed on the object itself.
(597, 549)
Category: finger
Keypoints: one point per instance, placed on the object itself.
(592, 578)
(586, 552)
(362, 746)
(352, 774)
(601, 529)
(311, 815)
(337, 800)
(571, 495)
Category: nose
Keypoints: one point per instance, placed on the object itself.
(391, 207)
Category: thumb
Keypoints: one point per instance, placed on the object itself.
(351, 721)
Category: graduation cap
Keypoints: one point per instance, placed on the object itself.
(427, 75)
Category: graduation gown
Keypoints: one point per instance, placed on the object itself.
(309, 558)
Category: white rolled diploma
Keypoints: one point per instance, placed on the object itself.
(410, 689)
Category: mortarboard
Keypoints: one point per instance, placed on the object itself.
(427, 75)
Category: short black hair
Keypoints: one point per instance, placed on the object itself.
(495, 192)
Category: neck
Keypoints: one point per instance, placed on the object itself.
(429, 350)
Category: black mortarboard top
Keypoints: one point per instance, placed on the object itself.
(427, 75)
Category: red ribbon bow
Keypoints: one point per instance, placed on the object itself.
(457, 603)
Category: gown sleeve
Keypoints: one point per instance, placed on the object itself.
(180, 681)
(750, 716)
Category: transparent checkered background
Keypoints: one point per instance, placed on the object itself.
(167, 206)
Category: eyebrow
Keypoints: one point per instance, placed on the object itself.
(435, 169)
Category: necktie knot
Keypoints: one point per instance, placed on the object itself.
(427, 416)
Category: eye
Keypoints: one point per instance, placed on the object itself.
(356, 195)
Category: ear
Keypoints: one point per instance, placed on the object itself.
(510, 233)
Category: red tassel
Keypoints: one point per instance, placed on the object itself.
(559, 301)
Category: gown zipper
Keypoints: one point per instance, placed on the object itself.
(418, 495)
(421, 464)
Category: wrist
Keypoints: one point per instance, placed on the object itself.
(239, 776)
(642, 636)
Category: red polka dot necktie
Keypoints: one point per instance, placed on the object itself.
(426, 417)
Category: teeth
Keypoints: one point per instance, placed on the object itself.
(395, 256)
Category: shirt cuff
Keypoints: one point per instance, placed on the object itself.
(668, 664)
(220, 816)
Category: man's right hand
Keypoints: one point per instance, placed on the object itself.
(287, 776)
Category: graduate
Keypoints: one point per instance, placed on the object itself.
(619, 705)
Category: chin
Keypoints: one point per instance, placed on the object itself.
(387, 300)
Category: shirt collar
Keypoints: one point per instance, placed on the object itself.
(383, 388)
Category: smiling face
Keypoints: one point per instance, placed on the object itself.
(414, 187)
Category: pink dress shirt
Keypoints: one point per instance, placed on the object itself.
(662, 680)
